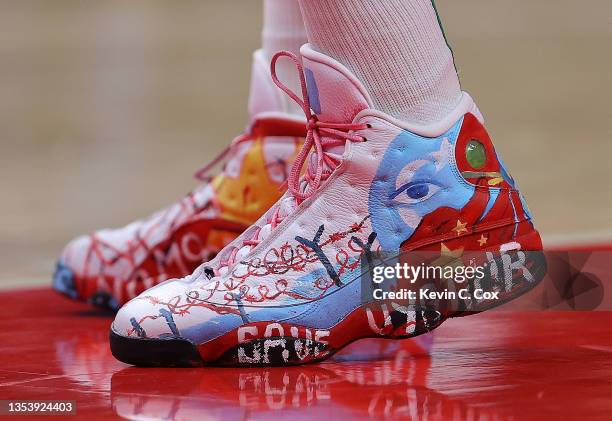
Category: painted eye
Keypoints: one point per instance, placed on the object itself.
(415, 192)
(418, 191)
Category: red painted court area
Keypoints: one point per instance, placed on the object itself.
(492, 366)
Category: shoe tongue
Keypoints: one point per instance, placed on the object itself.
(335, 94)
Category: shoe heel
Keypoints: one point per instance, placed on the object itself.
(513, 269)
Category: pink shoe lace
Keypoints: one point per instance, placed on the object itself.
(302, 188)
(206, 172)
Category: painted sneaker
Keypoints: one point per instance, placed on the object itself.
(110, 266)
(289, 289)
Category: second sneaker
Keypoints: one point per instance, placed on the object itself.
(110, 266)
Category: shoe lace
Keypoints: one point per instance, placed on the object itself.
(172, 216)
(320, 136)
(206, 173)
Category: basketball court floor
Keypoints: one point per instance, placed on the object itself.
(108, 108)
(492, 366)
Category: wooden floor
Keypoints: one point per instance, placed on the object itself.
(493, 366)
(107, 108)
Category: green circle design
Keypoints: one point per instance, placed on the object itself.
(476, 154)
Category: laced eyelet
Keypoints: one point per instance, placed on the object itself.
(319, 136)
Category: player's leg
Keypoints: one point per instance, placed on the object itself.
(283, 30)
(397, 49)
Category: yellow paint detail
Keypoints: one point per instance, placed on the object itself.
(448, 257)
(245, 198)
(483, 240)
(460, 228)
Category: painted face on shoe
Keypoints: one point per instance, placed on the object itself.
(416, 176)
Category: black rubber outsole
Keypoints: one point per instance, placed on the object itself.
(177, 352)
(170, 352)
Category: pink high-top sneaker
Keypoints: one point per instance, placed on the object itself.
(109, 267)
(289, 290)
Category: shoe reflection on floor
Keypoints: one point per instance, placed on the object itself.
(495, 366)
(373, 378)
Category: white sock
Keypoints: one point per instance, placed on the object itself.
(395, 47)
(283, 29)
